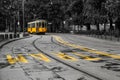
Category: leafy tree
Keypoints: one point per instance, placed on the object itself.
(6, 12)
(75, 10)
(95, 12)
(113, 11)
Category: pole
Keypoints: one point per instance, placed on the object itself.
(14, 26)
(51, 2)
(18, 22)
(23, 5)
(6, 24)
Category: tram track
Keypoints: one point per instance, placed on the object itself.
(110, 63)
(65, 63)
(37, 62)
(27, 73)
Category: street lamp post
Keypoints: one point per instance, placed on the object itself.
(51, 27)
(23, 6)
(18, 23)
(51, 2)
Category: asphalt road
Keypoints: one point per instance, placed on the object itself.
(60, 57)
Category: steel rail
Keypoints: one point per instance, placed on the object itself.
(65, 63)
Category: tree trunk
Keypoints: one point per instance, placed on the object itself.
(14, 27)
(88, 26)
(105, 27)
(78, 28)
(81, 27)
(117, 27)
(111, 22)
(98, 27)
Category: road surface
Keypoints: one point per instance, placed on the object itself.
(60, 57)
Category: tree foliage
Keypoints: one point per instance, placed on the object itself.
(56, 11)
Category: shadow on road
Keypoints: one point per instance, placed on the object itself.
(3, 65)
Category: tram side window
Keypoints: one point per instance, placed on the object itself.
(33, 25)
(43, 24)
(28, 25)
(39, 24)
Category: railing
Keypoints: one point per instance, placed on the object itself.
(107, 35)
(6, 36)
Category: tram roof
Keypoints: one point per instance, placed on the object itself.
(37, 21)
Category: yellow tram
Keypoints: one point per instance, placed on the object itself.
(38, 26)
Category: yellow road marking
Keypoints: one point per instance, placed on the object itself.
(40, 56)
(60, 40)
(10, 59)
(21, 59)
(102, 53)
(86, 57)
(66, 57)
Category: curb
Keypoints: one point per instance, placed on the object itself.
(11, 40)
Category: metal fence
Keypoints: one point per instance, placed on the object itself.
(6, 36)
(107, 35)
